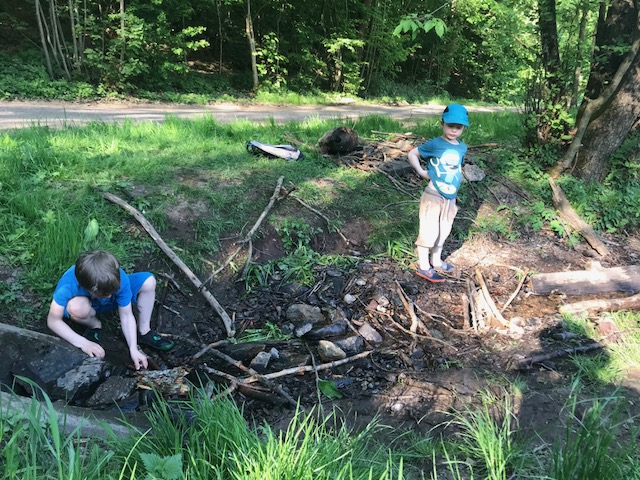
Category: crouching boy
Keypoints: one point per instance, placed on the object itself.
(94, 285)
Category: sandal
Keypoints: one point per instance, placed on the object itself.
(154, 340)
(430, 275)
(92, 334)
(444, 267)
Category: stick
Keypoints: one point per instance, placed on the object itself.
(410, 308)
(472, 304)
(413, 334)
(321, 215)
(251, 371)
(396, 183)
(466, 309)
(485, 291)
(249, 235)
(228, 323)
(206, 348)
(516, 291)
(529, 361)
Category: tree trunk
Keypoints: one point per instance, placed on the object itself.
(603, 122)
(549, 44)
(610, 124)
(219, 35)
(43, 39)
(578, 67)
(607, 132)
(252, 46)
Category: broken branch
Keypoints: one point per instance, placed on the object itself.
(249, 236)
(321, 215)
(228, 323)
(527, 362)
(516, 291)
(487, 296)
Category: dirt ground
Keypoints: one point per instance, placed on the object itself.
(411, 381)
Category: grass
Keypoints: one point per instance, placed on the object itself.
(202, 439)
(52, 182)
(51, 204)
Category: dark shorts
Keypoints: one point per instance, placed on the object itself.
(102, 305)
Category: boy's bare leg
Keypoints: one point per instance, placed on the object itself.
(145, 303)
(81, 311)
(436, 253)
(423, 258)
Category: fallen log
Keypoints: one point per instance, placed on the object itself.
(228, 323)
(569, 215)
(594, 280)
(601, 305)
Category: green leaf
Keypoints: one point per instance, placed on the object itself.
(329, 389)
(440, 28)
(166, 468)
(91, 232)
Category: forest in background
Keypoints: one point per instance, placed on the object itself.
(485, 50)
(551, 56)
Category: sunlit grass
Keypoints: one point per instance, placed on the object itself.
(621, 352)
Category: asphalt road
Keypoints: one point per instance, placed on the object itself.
(18, 114)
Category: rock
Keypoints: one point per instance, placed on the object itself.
(303, 329)
(473, 173)
(334, 329)
(60, 370)
(349, 299)
(369, 333)
(275, 353)
(261, 362)
(301, 312)
(79, 379)
(329, 351)
(244, 351)
(112, 390)
(71, 420)
(351, 345)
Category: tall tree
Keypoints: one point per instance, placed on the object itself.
(611, 106)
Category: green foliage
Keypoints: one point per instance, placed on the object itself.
(162, 468)
(272, 64)
(329, 389)
(488, 439)
(270, 331)
(590, 449)
(414, 23)
(295, 233)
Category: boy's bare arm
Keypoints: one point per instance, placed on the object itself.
(58, 326)
(128, 325)
(414, 161)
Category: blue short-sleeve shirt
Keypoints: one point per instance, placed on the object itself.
(68, 287)
(444, 164)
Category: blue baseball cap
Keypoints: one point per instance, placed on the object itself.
(456, 113)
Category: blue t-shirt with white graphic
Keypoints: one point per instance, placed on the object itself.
(444, 165)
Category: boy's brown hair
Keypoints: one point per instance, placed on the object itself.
(98, 272)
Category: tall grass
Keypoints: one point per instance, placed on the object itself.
(195, 439)
(592, 448)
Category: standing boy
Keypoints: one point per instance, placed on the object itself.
(97, 284)
(443, 156)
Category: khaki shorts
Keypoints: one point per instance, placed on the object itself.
(436, 218)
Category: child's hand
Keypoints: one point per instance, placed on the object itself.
(92, 349)
(139, 359)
